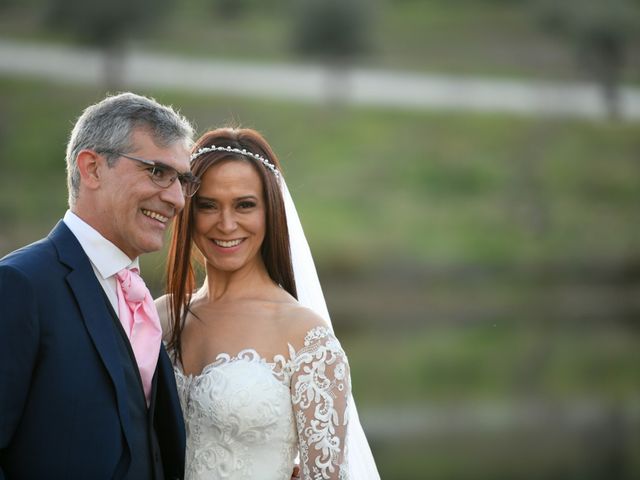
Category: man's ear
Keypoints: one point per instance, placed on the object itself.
(90, 165)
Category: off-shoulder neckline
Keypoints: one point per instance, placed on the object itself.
(278, 364)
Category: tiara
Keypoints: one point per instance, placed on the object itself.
(239, 151)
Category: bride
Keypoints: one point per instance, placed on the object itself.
(261, 377)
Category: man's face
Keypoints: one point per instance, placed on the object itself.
(135, 212)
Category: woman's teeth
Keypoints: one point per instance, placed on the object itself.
(228, 244)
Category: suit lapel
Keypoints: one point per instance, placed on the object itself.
(95, 313)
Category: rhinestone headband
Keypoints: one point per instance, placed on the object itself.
(239, 151)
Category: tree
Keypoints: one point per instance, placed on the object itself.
(105, 24)
(333, 32)
(600, 31)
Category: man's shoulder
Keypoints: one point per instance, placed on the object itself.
(37, 253)
(31, 258)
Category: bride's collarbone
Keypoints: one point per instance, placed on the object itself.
(268, 316)
(204, 343)
(250, 307)
(256, 330)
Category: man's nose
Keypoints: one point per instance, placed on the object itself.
(174, 195)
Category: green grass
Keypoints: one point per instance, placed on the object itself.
(376, 187)
(508, 368)
(411, 191)
(548, 453)
(425, 186)
(494, 362)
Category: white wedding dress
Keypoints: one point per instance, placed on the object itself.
(248, 417)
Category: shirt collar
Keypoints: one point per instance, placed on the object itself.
(104, 255)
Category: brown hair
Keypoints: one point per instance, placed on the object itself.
(275, 250)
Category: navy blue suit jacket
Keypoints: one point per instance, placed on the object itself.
(63, 411)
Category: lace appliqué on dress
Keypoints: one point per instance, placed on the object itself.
(238, 418)
(246, 417)
(320, 389)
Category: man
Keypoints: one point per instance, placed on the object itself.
(86, 389)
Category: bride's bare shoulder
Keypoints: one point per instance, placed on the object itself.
(298, 321)
(163, 306)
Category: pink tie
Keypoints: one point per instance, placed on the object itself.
(140, 321)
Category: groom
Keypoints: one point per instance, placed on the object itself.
(86, 389)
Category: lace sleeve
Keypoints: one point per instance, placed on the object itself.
(320, 388)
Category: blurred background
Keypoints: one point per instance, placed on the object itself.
(468, 174)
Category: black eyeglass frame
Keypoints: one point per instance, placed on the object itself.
(188, 181)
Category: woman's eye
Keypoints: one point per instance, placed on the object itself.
(246, 204)
(205, 205)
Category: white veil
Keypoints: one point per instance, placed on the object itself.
(360, 460)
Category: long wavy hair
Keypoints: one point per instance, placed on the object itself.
(275, 249)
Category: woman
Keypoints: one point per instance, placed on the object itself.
(261, 378)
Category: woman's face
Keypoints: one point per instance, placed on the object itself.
(230, 216)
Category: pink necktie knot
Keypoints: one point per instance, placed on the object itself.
(139, 318)
(133, 286)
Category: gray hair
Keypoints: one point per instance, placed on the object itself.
(106, 127)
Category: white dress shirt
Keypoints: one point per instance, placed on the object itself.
(106, 259)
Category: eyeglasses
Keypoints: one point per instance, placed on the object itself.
(164, 175)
